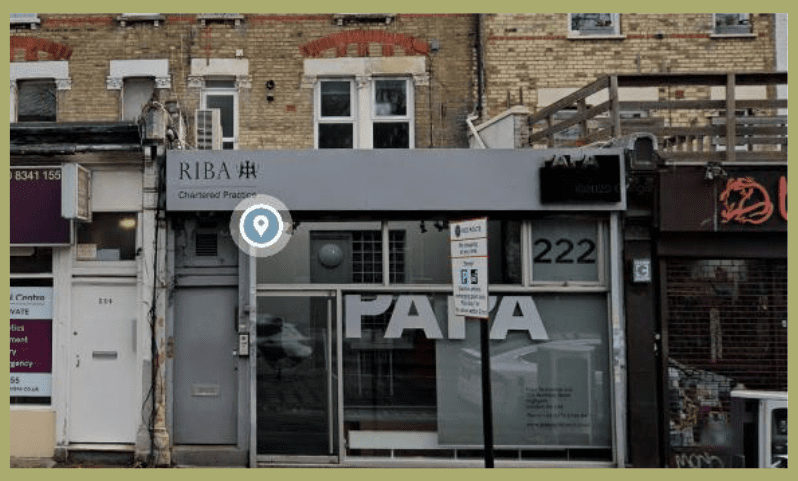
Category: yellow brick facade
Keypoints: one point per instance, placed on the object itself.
(527, 52)
(272, 44)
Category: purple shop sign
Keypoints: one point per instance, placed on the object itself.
(31, 345)
(35, 195)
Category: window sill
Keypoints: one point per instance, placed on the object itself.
(33, 407)
(732, 35)
(613, 36)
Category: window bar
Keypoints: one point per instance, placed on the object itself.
(386, 250)
(526, 253)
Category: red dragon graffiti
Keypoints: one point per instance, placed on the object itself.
(745, 201)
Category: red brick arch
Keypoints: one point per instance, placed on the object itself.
(33, 46)
(362, 38)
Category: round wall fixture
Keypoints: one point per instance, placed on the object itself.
(330, 255)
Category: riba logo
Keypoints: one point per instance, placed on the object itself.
(217, 171)
(261, 225)
(514, 313)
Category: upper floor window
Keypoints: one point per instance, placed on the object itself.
(222, 94)
(590, 24)
(129, 18)
(731, 23)
(25, 19)
(33, 89)
(136, 93)
(378, 115)
(36, 100)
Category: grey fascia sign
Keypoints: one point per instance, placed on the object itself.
(459, 180)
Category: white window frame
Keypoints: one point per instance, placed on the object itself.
(353, 110)
(362, 71)
(223, 91)
(741, 17)
(616, 28)
(408, 117)
(363, 110)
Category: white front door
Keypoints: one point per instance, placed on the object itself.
(103, 404)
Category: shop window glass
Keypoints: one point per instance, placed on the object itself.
(427, 250)
(36, 101)
(31, 260)
(567, 249)
(411, 368)
(31, 341)
(327, 253)
(110, 236)
(418, 254)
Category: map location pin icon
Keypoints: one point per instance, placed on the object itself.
(261, 224)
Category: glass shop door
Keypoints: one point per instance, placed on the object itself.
(296, 377)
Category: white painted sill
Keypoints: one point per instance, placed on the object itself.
(596, 37)
(732, 35)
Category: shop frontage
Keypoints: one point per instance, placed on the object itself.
(723, 280)
(343, 348)
(79, 326)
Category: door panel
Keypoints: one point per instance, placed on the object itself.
(205, 366)
(296, 414)
(104, 402)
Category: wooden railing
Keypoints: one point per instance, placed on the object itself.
(719, 130)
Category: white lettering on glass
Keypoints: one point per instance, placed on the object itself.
(403, 317)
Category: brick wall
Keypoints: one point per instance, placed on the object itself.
(532, 51)
(273, 44)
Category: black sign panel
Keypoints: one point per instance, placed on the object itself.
(566, 178)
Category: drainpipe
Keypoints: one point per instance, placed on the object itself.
(480, 81)
(480, 65)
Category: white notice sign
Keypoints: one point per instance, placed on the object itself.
(469, 249)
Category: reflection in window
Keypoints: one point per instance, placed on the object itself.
(335, 124)
(390, 102)
(29, 260)
(390, 98)
(110, 236)
(732, 23)
(336, 99)
(36, 101)
(594, 23)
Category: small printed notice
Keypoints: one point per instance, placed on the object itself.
(31, 341)
(469, 252)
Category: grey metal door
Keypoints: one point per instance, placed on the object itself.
(205, 366)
